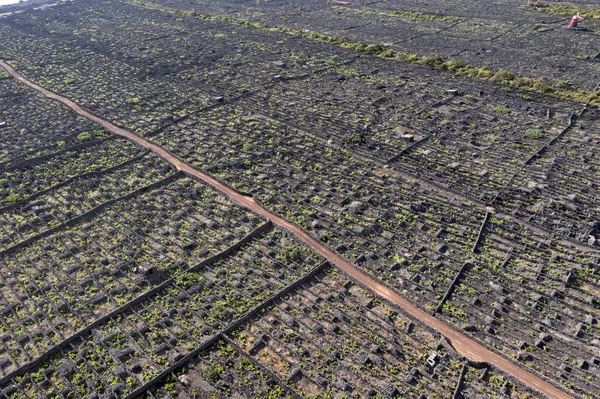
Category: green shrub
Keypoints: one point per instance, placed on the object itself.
(543, 85)
(290, 254)
(409, 57)
(484, 73)
(374, 49)
(213, 371)
(453, 65)
(533, 134)
(353, 139)
(219, 310)
(388, 54)
(13, 198)
(502, 76)
(433, 60)
(496, 381)
(84, 136)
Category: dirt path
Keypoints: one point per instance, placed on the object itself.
(463, 344)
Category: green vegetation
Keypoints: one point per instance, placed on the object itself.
(405, 14)
(447, 307)
(291, 254)
(84, 136)
(540, 85)
(571, 10)
(496, 381)
(13, 198)
(353, 139)
(502, 109)
(533, 134)
(132, 100)
(213, 371)
(186, 280)
(219, 310)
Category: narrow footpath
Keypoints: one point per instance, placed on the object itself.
(462, 343)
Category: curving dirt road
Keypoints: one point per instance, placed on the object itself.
(463, 344)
